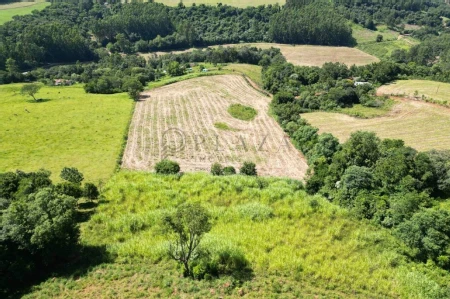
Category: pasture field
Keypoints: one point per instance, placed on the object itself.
(439, 91)
(364, 35)
(253, 72)
(178, 122)
(68, 128)
(421, 125)
(384, 49)
(236, 3)
(8, 11)
(296, 249)
(305, 54)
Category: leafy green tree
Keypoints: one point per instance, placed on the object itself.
(44, 223)
(354, 180)
(362, 149)
(11, 67)
(248, 168)
(186, 229)
(175, 69)
(90, 191)
(428, 232)
(69, 189)
(379, 38)
(229, 170)
(216, 169)
(71, 174)
(326, 146)
(167, 167)
(134, 87)
(31, 89)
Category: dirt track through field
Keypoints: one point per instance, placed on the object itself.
(177, 122)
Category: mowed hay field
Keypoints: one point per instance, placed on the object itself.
(421, 125)
(68, 128)
(307, 55)
(236, 3)
(8, 11)
(431, 89)
(179, 122)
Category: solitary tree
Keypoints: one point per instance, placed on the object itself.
(134, 87)
(248, 168)
(379, 38)
(71, 174)
(31, 90)
(186, 228)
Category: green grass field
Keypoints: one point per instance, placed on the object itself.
(8, 11)
(298, 246)
(384, 49)
(242, 112)
(251, 71)
(364, 35)
(235, 3)
(69, 128)
(438, 91)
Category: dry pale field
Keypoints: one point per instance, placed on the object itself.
(306, 55)
(177, 122)
(421, 125)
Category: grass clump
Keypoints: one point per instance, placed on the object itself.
(242, 112)
(223, 126)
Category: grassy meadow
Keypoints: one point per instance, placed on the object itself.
(251, 71)
(364, 35)
(438, 91)
(8, 11)
(383, 50)
(68, 128)
(297, 245)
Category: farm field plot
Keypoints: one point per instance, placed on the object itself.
(384, 49)
(421, 125)
(235, 3)
(8, 11)
(431, 89)
(69, 128)
(307, 55)
(178, 122)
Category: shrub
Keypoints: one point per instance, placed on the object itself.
(69, 189)
(90, 191)
(71, 174)
(216, 169)
(248, 168)
(229, 170)
(167, 167)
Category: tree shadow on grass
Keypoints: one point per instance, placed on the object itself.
(78, 263)
(38, 101)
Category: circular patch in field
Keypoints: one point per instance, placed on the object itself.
(242, 112)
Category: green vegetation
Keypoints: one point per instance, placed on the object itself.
(363, 35)
(384, 50)
(361, 111)
(8, 11)
(234, 3)
(425, 90)
(167, 167)
(278, 228)
(248, 168)
(242, 112)
(223, 126)
(39, 225)
(68, 127)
